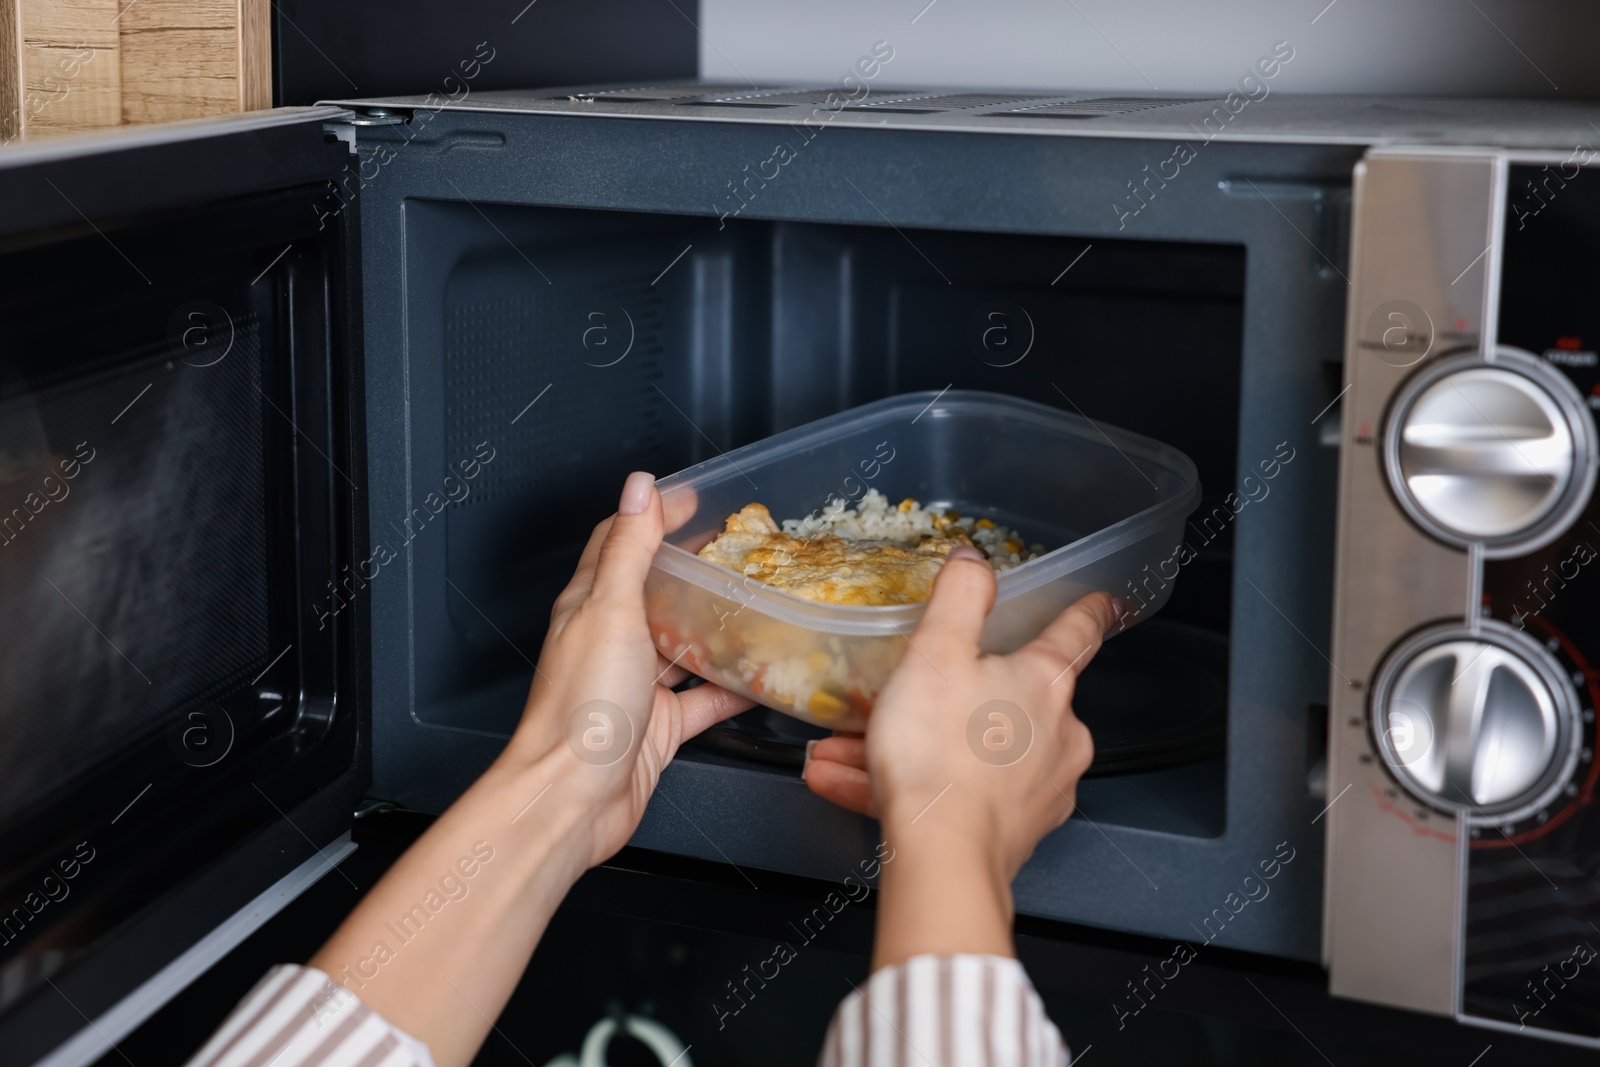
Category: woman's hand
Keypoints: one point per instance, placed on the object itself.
(601, 707)
(968, 761)
(568, 791)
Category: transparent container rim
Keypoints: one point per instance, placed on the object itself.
(900, 618)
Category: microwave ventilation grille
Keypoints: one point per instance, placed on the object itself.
(765, 98)
(907, 102)
(935, 103)
(639, 93)
(1101, 105)
(900, 102)
(502, 351)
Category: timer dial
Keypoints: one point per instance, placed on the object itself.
(1478, 722)
(1499, 453)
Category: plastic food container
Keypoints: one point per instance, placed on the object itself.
(1109, 504)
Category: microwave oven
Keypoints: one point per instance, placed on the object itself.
(307, 412)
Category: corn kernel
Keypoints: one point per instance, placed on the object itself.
(826, 705)
(1013, 545)
(907, 504)
(819, 660)
(984, 524)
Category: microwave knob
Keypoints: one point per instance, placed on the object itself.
(1501, 453)
(1481, 723)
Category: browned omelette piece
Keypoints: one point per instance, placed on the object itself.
(827, 567)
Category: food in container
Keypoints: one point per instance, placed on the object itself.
(872, 554)
(1109, 505)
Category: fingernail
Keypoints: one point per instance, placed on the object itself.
(636, 493)
(809, 746)
(1120, 616)
(965, 552)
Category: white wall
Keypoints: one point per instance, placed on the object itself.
(1434, 47)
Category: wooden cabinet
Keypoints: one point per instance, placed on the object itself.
(85, 64)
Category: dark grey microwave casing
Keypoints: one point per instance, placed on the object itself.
(1275, 182)
(1163, 876)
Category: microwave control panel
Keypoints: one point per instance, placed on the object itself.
(1464, 837)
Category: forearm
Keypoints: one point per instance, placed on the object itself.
(440, 942)
(944, 893)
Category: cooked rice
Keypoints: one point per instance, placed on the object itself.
(875, 519)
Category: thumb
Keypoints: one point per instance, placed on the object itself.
(631, 544)
(963, 593)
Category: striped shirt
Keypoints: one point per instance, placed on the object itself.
(943, 1011)
(298, 1017)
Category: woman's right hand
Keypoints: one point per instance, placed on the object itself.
(968, 761)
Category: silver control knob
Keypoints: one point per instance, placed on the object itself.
(1499, 453)
(1477, 722)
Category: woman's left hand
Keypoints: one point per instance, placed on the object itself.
(568, 791)
(601, 708)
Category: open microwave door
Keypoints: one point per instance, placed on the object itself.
(181, 470)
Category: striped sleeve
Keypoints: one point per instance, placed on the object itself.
(945, 1011)
(299, 1017)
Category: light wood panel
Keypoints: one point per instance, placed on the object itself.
(63, 72)
(179, 59)
(255, 54)
(85, 64)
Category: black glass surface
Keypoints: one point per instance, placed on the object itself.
(1532, 952)
(166, 508)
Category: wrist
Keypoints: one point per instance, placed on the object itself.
(545, 810)
(466, 903)
(950, 825)
(945, 890)
(928, 856)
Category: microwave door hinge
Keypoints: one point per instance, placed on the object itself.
(344, 127)
(378, 116)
